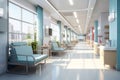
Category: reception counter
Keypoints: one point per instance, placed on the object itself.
(96, 45)
(108, 56)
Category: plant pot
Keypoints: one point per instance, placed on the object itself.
(34, 51)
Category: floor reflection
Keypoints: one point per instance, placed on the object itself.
(77, 64)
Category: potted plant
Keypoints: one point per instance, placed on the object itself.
(34, 44)
(34, 47)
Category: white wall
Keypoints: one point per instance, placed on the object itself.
(46, 23)
(103, 20)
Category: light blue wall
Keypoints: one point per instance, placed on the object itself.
(40, 24)
(118, 35)
(113, 25)
(115, 29)
(3, 37)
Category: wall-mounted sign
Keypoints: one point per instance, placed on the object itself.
(1, 12)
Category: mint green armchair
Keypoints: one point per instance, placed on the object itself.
(22, 54)
(56, 48)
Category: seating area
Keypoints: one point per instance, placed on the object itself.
(22, 54)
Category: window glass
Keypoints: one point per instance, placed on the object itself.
(14, 37)
(27, 16)
(27, 28)
(27, 37)
(14, 11)
(21, 27)
(55, 32)
(14, 26)
(28, 32)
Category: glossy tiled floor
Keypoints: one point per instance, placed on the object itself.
(77, 64)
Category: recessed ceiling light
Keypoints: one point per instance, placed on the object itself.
(71, 2)
(91, 8)
(77, 20)
(75, 14)
(79, 26)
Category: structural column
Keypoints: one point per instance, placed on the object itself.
(92, 33)
(66, 34)
(4, 36)
(40, 24)
(70, 35)
(118, 34)
(96, 31)
(96, 37)
(60, 34)
(114, 8)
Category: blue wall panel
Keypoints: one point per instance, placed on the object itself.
(59, 25)
(115, 29)
(113, 25)
(40, 24)
(118, 35)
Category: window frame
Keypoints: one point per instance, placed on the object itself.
(22, 21)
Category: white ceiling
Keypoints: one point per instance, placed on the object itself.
(83, 8)
(87, 11)
(101, 6)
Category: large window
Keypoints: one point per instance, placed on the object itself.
(22, 24)
(55, 32)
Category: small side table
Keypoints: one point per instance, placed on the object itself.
(45, 48)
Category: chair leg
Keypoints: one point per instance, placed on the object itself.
(26, 68)
(45, 61)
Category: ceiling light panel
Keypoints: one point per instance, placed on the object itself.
(91, 6)
(71, 13)
(80, 28)
(71, 2)
(75, 14)
(77, 20)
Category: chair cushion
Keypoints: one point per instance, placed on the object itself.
(25, 50)
(30, 60)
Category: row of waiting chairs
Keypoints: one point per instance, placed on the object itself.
(22, 54)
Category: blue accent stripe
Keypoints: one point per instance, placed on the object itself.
(96, 31)
(40, 24)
